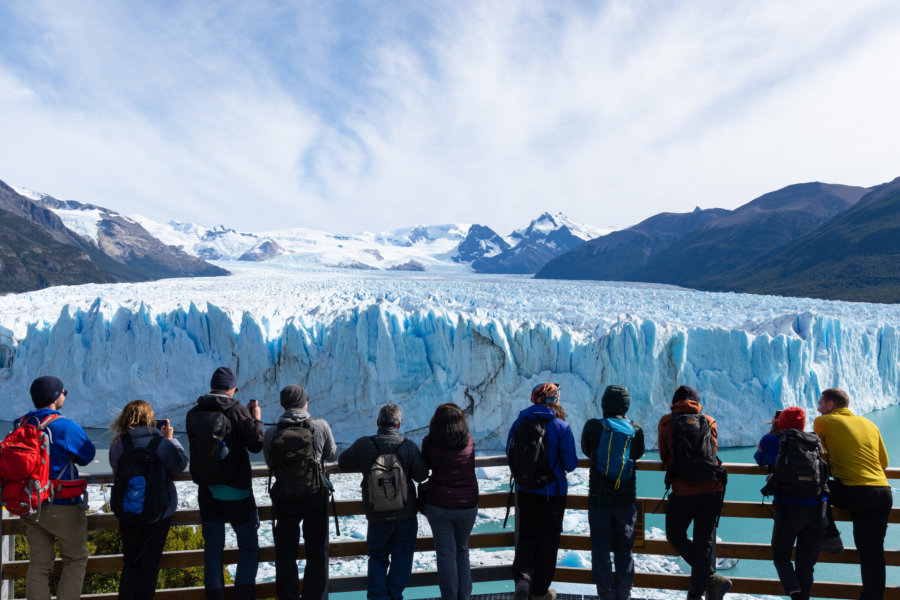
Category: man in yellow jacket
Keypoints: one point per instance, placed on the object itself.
(856, 454)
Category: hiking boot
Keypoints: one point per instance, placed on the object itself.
(833, 545)
(550, 595)
(717, 587)
(698, 597)
(523, 587)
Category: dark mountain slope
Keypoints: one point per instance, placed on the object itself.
(707, 254)
(856, 256)
(621, 255)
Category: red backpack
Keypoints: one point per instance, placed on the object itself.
(25, 466)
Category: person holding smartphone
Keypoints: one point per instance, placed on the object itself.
(222, 432)
(142, 543)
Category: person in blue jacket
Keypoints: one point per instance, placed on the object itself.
(63, 518)
(799, 520)
(539, 512)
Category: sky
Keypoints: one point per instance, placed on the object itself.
(349, 116)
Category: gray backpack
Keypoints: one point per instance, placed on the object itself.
(388, 489)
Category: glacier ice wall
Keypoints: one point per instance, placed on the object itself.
(379, 352)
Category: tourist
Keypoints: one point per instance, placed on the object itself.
(221, 432)
(296, 450)
(61, 520)
(143, 542)
(541, 489)
(798, 482)
(856, 454)
(612, 496)
(688, 446)
(393, 462)
(451, 497)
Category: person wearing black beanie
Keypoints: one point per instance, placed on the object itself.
(612, 495)
(222, 432)
(688, 446)
(61, 519)
(292, 502)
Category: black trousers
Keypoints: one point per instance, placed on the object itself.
(314, 516)
(142, 547)
(699, 552)
(804, 525)
(540, 520)
(870, 507)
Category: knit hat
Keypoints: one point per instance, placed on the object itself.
(685, 392)
(793, 417)
(294, 396)
(615, 401)
(545, 393)
(45, 390)
(223, 379)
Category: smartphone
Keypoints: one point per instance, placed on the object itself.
(253, 403)
(159, 423)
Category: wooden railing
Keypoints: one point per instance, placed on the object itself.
(14, 569)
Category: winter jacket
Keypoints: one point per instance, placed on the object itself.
(68, 442)
(766, 456)
(607, 496)
(246, 434)
(683, 487)
(170, 453)
(360, 456)
(323, 439)
(452, 483)
(560, 448)
(853, 448)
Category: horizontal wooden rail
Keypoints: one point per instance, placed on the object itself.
(505, 539)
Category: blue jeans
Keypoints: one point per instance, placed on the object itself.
(391, 547)
(244, 519)
(451, 528)
(612, 530)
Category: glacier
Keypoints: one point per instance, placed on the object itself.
(359, 340)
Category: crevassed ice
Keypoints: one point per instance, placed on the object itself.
(358, 341)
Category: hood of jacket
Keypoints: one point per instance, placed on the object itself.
(216, 402)
(687, 407)
(293, 416)
(538, 411)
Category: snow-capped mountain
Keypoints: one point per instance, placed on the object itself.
(480, 242)
(54, 242)
(531, 248)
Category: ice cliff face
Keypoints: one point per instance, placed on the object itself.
(382, 347)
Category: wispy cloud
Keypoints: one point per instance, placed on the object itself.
(351, 116)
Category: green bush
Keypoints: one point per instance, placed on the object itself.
(182, 537)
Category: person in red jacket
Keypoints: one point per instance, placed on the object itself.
(451, 498)
(697, 490)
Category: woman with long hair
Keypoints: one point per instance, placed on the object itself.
(142, 543)
(451, 498)
(541, 489)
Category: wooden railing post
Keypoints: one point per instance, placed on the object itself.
(7, 554)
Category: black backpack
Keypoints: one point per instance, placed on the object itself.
(529, 460)
(800, 469)
(299, 475)
(141, 485)
(209, 433)
(693, 450)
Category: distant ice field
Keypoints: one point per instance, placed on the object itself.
(356, 340)
(277, 292)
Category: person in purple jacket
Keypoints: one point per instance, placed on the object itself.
(451, 499)
(539, 512)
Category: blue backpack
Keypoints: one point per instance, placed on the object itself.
(612, 459)
(140, 489)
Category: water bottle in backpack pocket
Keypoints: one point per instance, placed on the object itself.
(612, 458)
(209, 433)
(141, 486)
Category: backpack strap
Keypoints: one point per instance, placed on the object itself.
(154, 443)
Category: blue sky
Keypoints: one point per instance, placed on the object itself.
(349, 116)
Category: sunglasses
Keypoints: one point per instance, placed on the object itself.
(65, 393)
